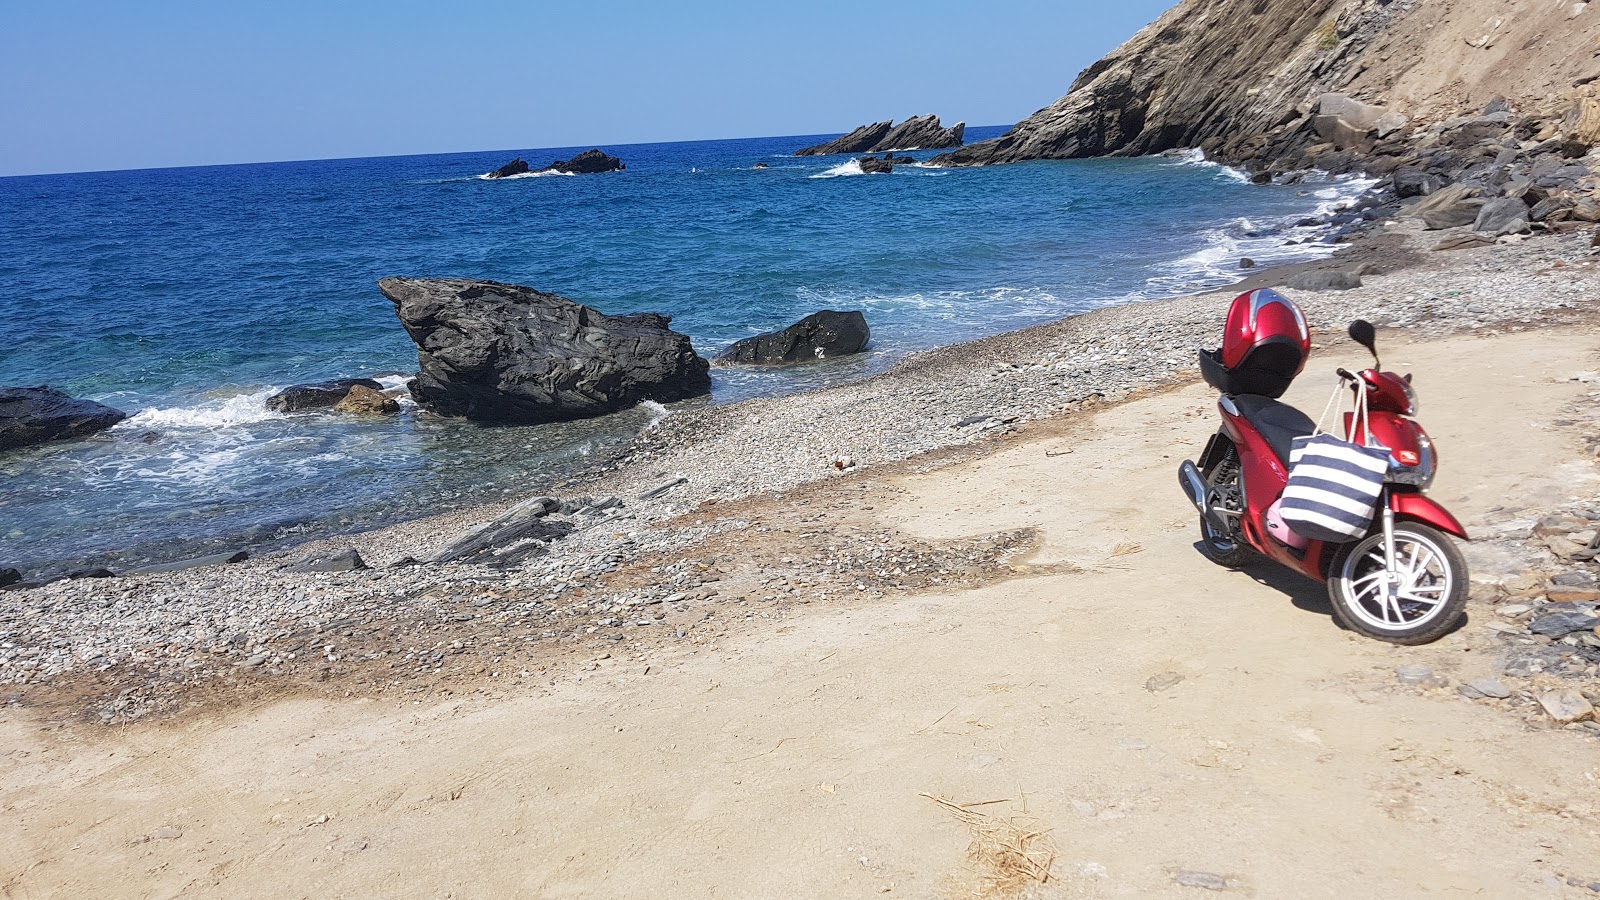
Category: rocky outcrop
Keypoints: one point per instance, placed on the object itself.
(322, 395)
(504, 353)
(515, 167)
(1275, 84)
(589, 162)
(821, 335)
(915, 133)
(34, 415)
(862, 140)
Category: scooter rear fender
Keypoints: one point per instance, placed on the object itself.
(1422, 508)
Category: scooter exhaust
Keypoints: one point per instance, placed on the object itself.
(1195, 486)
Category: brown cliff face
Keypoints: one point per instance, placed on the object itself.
(1240, 78)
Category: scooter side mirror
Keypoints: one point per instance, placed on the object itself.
(1362, 332)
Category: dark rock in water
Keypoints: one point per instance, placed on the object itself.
(1247, 263)
(589, 162)
(1324, 280)
(509, 354)
(9, 577)
(759, 166)
(515, 167)
(214, 559)
(34, 415)
(1261, 178)
(872, 165)
(821, 335)
(863, 140)
(1503, 215)
(364, 401)
(317, 396)
(915, 133)
(339, 561)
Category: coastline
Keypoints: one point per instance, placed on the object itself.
(1018, 622)
(117, 649)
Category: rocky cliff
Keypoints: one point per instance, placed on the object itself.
(915, 133)
(1241, 78)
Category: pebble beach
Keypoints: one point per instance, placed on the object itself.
(704, 524)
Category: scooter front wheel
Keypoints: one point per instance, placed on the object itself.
(1423, 602)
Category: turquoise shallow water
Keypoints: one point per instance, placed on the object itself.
(186, 296)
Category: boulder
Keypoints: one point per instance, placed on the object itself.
(759, 166)
(8, 577)
(34, 415)
(508, 354)
(1410, 181)
(1502, 215)
(872, 165)
(821, 335)
(862, 140)
(1389, 123)
(1464, 240)
(338, 561)
(198, 562)
(1449, 207)
(1338, 132)
(915, 133)
(515, 167)
(1363, 116)
(321, 395)
(1324, 280)
(589, 162)
(364, 401)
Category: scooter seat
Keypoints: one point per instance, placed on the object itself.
(1278, 422)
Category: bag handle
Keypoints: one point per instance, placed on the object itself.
(1360, 421)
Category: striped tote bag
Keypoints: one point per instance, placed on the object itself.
(1334, 484)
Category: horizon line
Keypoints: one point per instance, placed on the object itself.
(272, 162)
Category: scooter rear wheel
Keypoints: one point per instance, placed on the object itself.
(1224, 488)
(1427, 602)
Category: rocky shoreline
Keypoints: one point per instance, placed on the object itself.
(703, 525)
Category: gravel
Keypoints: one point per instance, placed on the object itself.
(658, 563)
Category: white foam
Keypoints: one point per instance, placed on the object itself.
(847, 168)
(242, 409)
(397, 383)
(656, 411)
(1197, 158)
(489, 176)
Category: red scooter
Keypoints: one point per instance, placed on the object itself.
(1405, 581)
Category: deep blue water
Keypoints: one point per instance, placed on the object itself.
(187, 295)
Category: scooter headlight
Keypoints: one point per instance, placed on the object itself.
(1414, 468)
(1411, 398)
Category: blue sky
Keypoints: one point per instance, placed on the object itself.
(90, 86)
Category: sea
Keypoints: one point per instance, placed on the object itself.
(187, 296)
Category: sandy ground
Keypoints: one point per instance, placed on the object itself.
(1154, 713)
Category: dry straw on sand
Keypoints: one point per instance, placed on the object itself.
(1006, 854)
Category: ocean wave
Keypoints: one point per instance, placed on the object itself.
(847, 168)
(540, 174)
(656, 411)
(1197, 158)
(240, 409)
